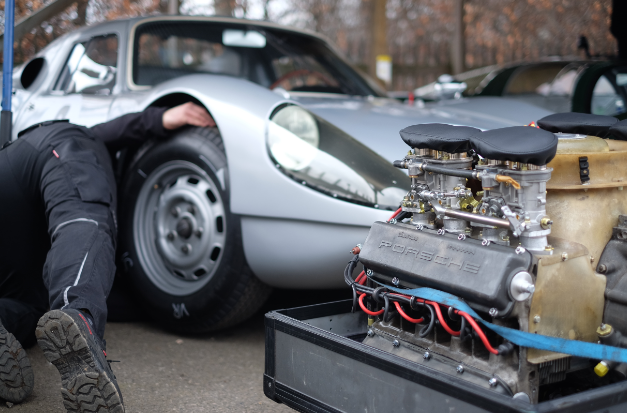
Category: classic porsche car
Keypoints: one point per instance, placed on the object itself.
(560, 85)
(291, 178)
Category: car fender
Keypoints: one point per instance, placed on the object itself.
(280, 217)
(241, 110)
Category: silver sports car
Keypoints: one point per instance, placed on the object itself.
(276, 195)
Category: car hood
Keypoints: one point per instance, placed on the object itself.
(376, 122)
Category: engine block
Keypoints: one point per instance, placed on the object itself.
(475, 225)
(469, 268)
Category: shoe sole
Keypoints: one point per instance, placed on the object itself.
(16, 374)
(86, 387)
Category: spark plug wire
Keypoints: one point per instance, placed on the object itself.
(363, 307)
(405, 316)
(479, 331)
(398, 211)
(361, 278)
(397, 298)
(443, 323)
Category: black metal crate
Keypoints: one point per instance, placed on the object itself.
(315, 362)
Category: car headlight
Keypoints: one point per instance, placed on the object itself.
(293, 137)
(315, 153)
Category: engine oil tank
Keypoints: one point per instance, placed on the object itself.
(586, 212)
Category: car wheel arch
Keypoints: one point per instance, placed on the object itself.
(130, 156)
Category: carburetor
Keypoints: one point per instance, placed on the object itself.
(475, 225)
(513, 196)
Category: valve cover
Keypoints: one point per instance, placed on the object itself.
(421, 258)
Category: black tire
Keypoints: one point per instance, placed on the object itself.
(223, 291)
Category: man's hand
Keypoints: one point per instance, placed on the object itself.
(187, 114)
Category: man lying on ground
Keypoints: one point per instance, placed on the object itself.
(58, 230)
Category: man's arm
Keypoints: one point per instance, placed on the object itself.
(135, 128)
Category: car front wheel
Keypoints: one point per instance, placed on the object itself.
(180, 245)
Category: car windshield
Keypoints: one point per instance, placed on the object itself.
(272, 58)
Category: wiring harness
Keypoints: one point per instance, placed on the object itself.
(431, 310)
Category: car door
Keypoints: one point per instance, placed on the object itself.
(83, 89)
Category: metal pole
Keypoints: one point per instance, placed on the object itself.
(457, 42)
(173, 6)
(6, 118)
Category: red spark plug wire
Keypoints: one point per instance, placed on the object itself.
(398, 211)
(448, 329)
(363, 307)
(361, 278)
(438, 312)
(479, 331)
(405, 316)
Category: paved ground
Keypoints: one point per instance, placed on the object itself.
(164, 372)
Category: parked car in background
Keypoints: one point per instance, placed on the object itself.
(291, 178)
(598, 87)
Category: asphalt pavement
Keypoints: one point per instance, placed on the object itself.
(164, 372)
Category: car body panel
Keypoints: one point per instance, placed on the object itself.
(377, 121)
(297, 245)
(293, 235)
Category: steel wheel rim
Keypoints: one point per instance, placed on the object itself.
(179, 227)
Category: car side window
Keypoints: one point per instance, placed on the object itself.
(527, 80)
(605, 97)
(91, 68)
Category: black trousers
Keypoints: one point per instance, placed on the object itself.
(57, 227)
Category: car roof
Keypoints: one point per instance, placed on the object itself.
(217, 19)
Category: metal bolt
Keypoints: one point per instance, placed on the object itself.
(493, 382)
(369, 273)
(191, 209)
(519, 250)
(370, 333)
(420, 227)
(536, 319)
(460, 369)
(396, 343)
(546, 223)
(393, 221)
(564, 256)
(602, 268)
(461, 237)
(426, 356)
(171, 236)
(396, 281)
(485, 242)
(493, 312)
(198, 232)
(186, 248)
(175, 211)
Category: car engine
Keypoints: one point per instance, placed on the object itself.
(524, 227)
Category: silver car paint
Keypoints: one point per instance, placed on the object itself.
(293, 236)
(377, 121)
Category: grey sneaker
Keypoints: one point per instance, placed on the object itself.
(68, 342)
(16, 375)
